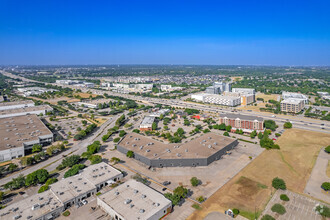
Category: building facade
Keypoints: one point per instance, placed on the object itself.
(146, 124)
(292, 105)
(244, 122)
(222, 100)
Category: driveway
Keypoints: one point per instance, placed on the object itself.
(319, 176)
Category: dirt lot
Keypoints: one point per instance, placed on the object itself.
(85, 95)
(293, 163)
(267, 97)
(328, 169)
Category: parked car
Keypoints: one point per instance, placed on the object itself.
(166, 183)
(164, 189)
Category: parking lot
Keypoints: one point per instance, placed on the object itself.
(299, 207)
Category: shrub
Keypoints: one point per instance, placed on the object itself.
(226, 134)
(284, 197)
(277, 134)
(326, 186)
(43, 188)
(323, 210)
(327, 149)
(130, 154)
(267, 217)
(95, 159)
(116, 140)
(278, 208)
(51, 181)
(194, 181)
(71, 160)
(235, 211)
(66, 213)
(196, 206)
(201, 199)
(278, 183)
(287, 125)
(98, 193)
(74, 170)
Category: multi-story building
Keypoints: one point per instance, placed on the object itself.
(134, 200)
(222, 100)
(15, 105)
(213, 90)
(20, 133)
(292, 105)
(292, 95)
(245, 122)
(244, 90)
(146, 124)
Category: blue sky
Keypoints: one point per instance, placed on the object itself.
(268, 32)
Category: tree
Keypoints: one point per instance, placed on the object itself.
(326, 186)
(327, 149)
(105, 137)
(235, 211)
(154, 126)
(115, 160)
(43, 188)
(260, 135)
(222, 126)
(228, 128)
(323, 210)
(136, 131)
(94, 147)
(226, 134)
(16, 183)
(74, 170)
(95, 159)
(253, 134)
(27, 161)
(267, 217)
(181, 191)
(200, 199)
(175, 199)
(278, 208)
(278, 183)
(116, 140)
(206, 131)
(284, 197)
(122, 133)
(270, 124)
(71, 160)
(194, 181)
(12, 167)
(2, 194)
(161, 117)
(51, 181)
(130, 154)
(36, 148)
(42, 175)
(287, 125)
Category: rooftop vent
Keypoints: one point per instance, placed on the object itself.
(127, 201)
(143, 196)
(117, 193)
(147, 150)
(215, 143)
(141, 210)
(136, 191)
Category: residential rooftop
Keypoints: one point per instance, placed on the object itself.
(14, 131)
(201, 147)
(134, 200)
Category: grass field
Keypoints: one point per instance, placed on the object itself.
(85, 95)
(267, 97)
(293, 163)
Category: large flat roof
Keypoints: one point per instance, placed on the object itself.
(99, 173)
(14, 131)
(71, 187)
(148, 120)
(201, 147)
(44, 202)
(16, 103)
(242, 117)
(294, 101)
(134, 200)
(25, 109)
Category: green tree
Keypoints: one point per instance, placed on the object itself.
(2, 194)
(36, 148)
(43, 188)
(115, 160)
(267, 217)
(278, 183)
(181, 191)
(130, 154)
(228, 128)
(327, 149)
(287, 125)
(136, 131)
(51, 181)
(260, 135)
(222, 126)
(154, 126)
(270, 124)
(278, 208)
(284, 197)
(226, 134)
(74, 170)
(95, 159)
(116, 140)
(71, 160)
(175, 199)
(194, 181)
(122, 133)
(12, 167)
(326, 186)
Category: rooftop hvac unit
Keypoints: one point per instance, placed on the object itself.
(215, 143)
(136, 191)
(141, 210)
(131, 205)
(143, 196)
(147, 150)
(116, 193)
(127, 201)
(186, 150)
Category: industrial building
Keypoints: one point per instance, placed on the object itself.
(63, 194)
(146, 124)
(28, 91)
(170, 88)
(293, 95)
(14, 105)
(159, 113)
(134, 200)
(198, 152)
(217, 99)
(20, 133)
(292, 105)
(36, 110)
(245, 122)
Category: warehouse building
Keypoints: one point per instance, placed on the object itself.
(20, 133)
(198, 152)
(146, 124)
(223, 100)
(134, 200)
(15, 105)
(292, 105)
(36, 110)
(63, 194)
(245, 122)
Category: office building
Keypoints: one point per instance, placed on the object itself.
(292, 105)
(222, 100)
(134, 200)
(244, 90)
(245, 122)
(292, 95)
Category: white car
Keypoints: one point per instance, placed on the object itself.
(84, 202)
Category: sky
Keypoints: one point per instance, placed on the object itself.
(231, 32)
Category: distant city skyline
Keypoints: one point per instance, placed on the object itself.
(288, 33)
